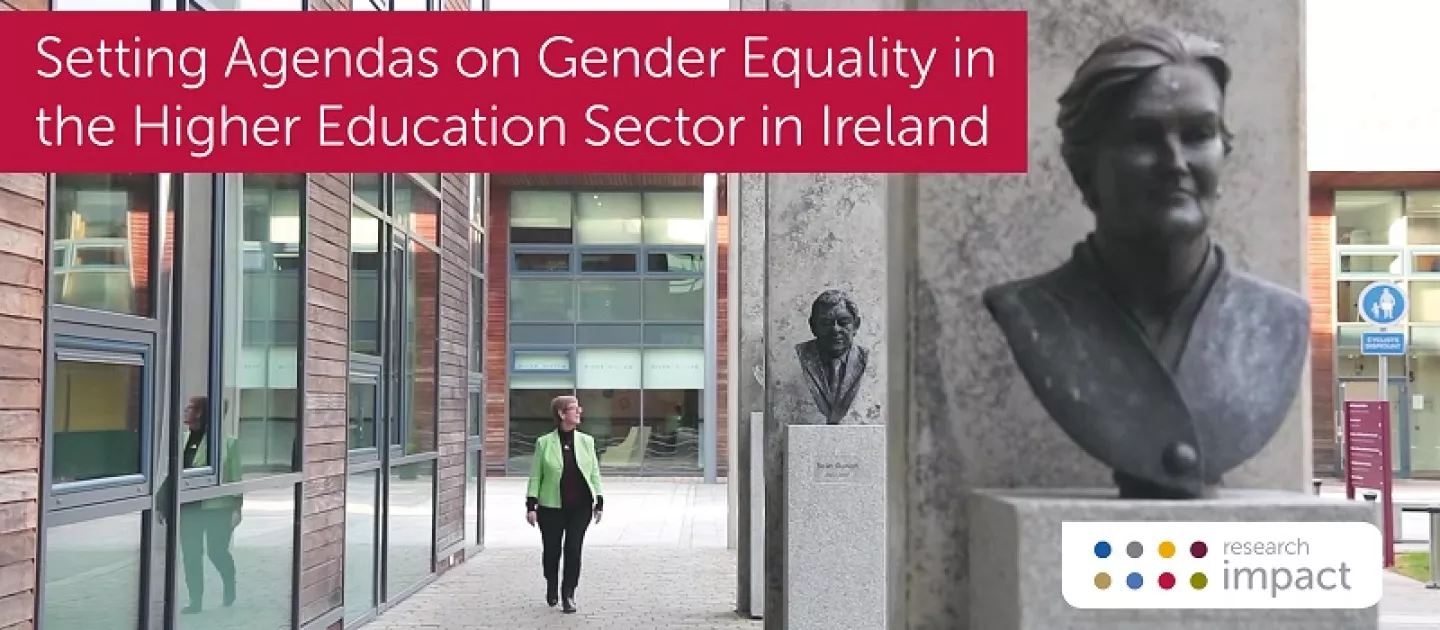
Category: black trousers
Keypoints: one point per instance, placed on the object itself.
(207, 532)
(562, 530)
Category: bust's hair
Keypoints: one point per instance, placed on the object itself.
(559, 404)
(830, 298)
(1111, 73)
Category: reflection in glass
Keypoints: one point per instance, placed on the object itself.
(410, 510)
(423, 335)
(608, 262)
(1369, 218)
(237, 558)
(612, 417)
(611, 218)
(262, 314)
(197, 270)
(543, 261)
(673, 416)
(674, 335)
(366, 281)
(417, 207)
(260, 5)
(534, 301)
(92, 574)
(360, 514)
(97, 417)
(540, 216)
(477, 249)
(367, 186)
(472, 497)
(677, 300)
(676, 262)
(101, 5)
(476, 413)
(609, 300)
(102, 227)
(1422, 209)
(477, 324)
(675, 218)
(363, 412)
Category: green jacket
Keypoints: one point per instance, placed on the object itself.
(231, 472)
(549, 462)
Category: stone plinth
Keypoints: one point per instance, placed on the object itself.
(960, 413)
(1015, 542)
(835, 524)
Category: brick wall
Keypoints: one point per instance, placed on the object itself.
(497, 332)
(1321, 288)
(322, 520)
(22, 343)
(454, 360)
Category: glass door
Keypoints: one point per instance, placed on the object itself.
(362, 495)
(1398, 395)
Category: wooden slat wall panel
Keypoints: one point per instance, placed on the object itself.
(22, 344)
(497, 361)
(322, 524)
(722, 334)
(22, 348)
(454, 358)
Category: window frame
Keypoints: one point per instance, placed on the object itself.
(82, 343)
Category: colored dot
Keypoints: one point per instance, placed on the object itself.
(1198, 581)
(1167, 549)
(1102, 549)
(1198, 549)
(1134, 581)
(1134, 549)
(1166, 581)
(1102, 581)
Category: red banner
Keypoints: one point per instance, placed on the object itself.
(785, 91)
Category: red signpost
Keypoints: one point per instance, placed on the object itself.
(1367, 460)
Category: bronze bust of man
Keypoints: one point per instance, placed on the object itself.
(833, 364)
(1151, 352)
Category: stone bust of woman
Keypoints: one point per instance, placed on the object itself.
(1152, 352)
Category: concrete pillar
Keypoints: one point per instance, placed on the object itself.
(961, 415)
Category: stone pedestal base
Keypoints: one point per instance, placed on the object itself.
(835, 527)
(1015, 564)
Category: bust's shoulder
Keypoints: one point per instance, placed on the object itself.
(1251, 288)
(1025, 294)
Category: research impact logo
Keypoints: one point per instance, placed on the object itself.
(1280, 565)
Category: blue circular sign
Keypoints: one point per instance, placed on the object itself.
(1382, 303)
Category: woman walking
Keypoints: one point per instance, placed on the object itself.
(563, 496)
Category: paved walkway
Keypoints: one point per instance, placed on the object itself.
(657, 560)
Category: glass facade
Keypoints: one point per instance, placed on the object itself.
(1392, 236)
(607, 302)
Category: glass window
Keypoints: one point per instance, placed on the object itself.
(611, 218)
(361, 505)
(674, 335)
(367, 187)
(477, 249)
(542, 334)
(678, 300)
(370, 5)
(98, 413)
(195, 330)
(409, 546)
(675, 218)
(261, 5)
(533, 301)
(477, 412)
(419, 207)
(609, 300)
(608, 262)
(543, 261)
(608, 334)
(540, 217)
(473, 497)
(477, 324)
(1424, 301)
(413, 5)
(92, 574)
(364, 410)
(675, 262)
(674, 381)
(423, 335)
(1369, 218)
(101, 5)
(366, 281)
(102, 235)
(260, 403)
(1422, 213)
(530, 417)
(1370, 263)
(1347, 292)
(236, 559)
